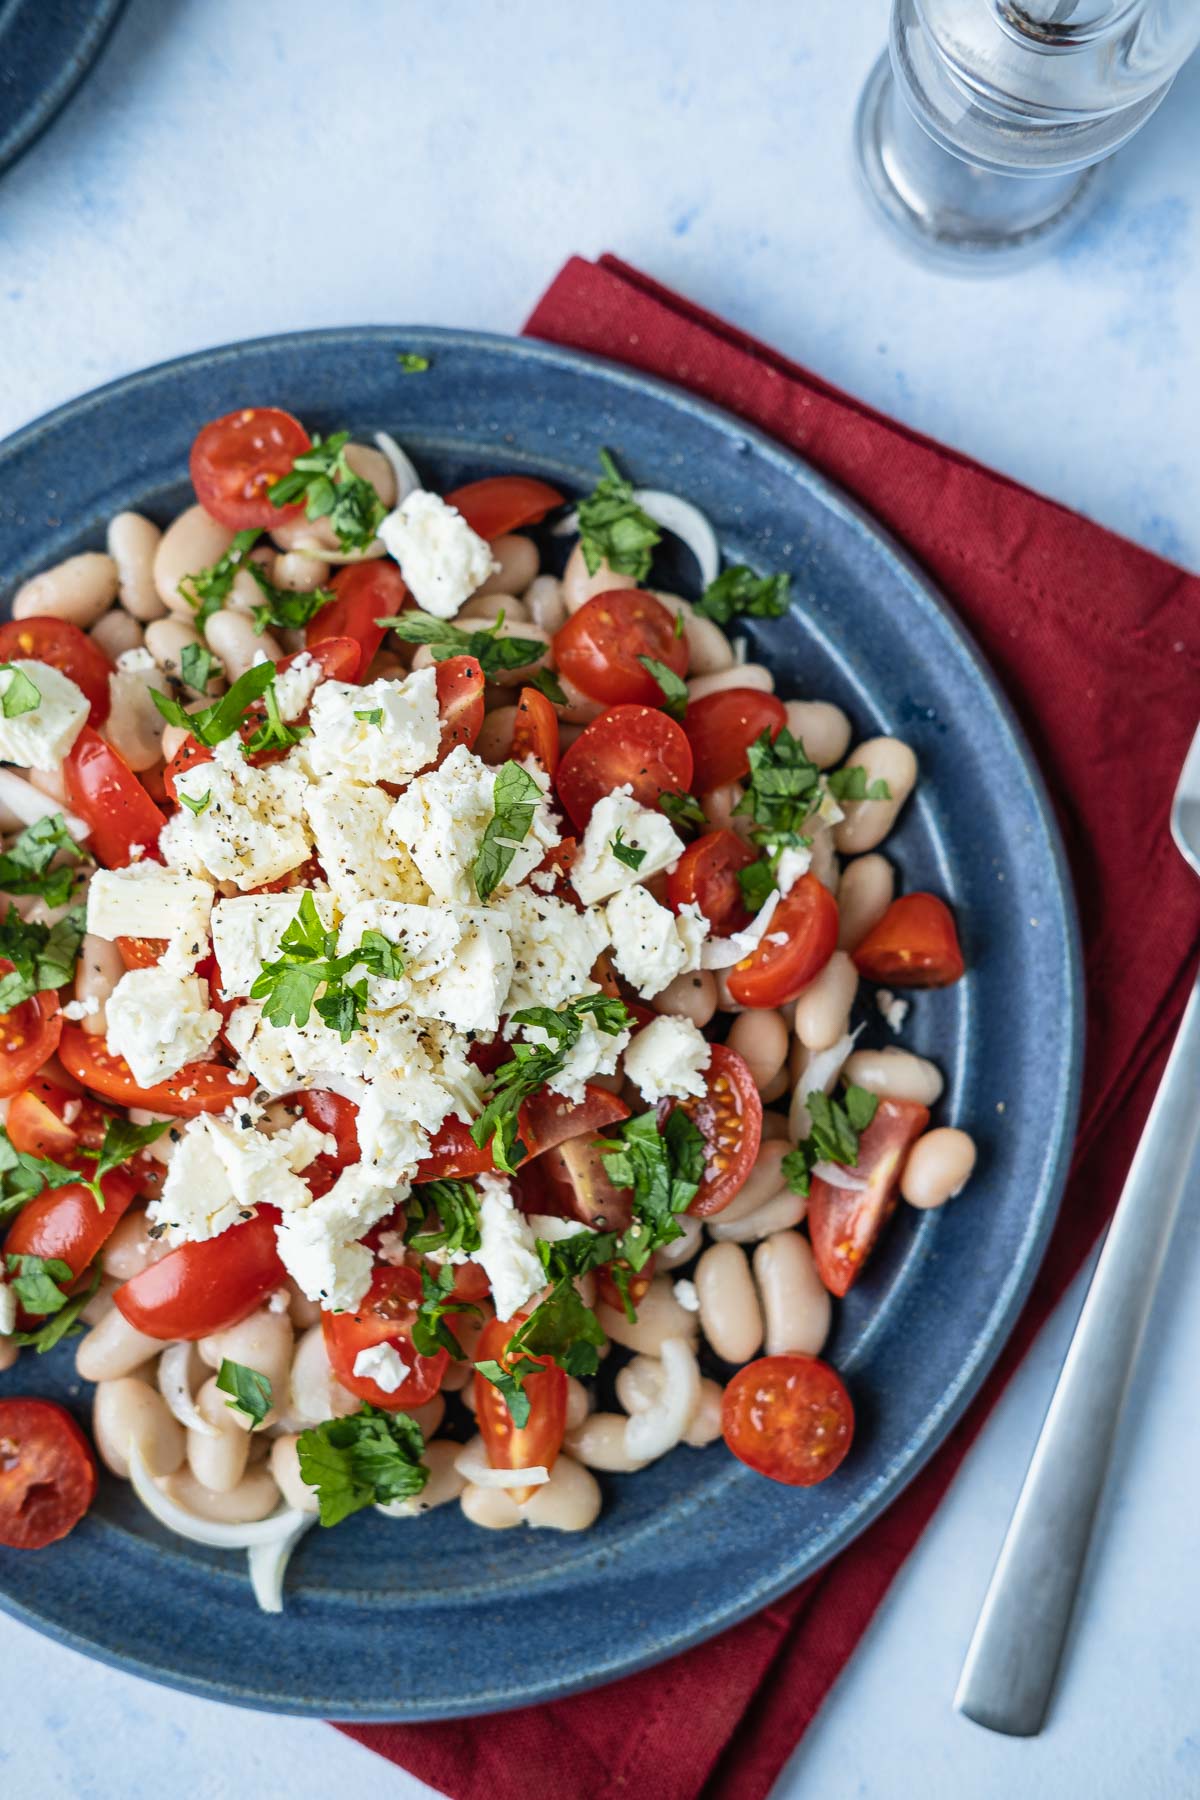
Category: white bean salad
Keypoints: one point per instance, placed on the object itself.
(427, 978)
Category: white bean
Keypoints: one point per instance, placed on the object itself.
(193, 541)
(774, 1126)
(867, 886)
(579, 710)
(233, 638)
(761, 1037)
(822, 728)
(599, 1443)
(494, 743)
(255, 1497)
(304, 1312)
(126, 1412)
(779, 1213)
(493, 1508)
(284, 1465)
(939, 1166)
(825, 865)
(796, 1304)
(729, 1312)
(709, 650)
(97, 973)
(313, 1393)
(116, 632)
(742, 675)
(113, 1348)
(823, 1009)
(544, 602)
(681, 1250)
(518, 559)
(166, 640)
(579, 1403)
(79, 590)
(444, 1484)
(374, 467)
(100, 1304)
(867, 822)
(569, 1501)
(895, 1075)
(130, 1248)
(219, 1462)
(578, 586)
(660, 1316)
(133, 544)
(298, 574)
(262, 1342)
(691, 997)
(720, 808)
(134, 725)
(763, 1182)
(492, 604)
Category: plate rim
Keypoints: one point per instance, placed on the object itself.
(41, 109)
(969, 1378)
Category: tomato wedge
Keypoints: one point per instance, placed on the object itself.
(47, 1474)
(545, 1120)
(331, 1113)
(721, 728)
(773, 974)
(363, 593)
(385, 1316)
(915, 944)
(599, 647)
(103, 789)
(706, 876)
(537, 1443)
(729, 1114)
(86, 1056)
(503, 503)
(44, 1119)
(66, 648)
(66, 1223)
(843, 1223)
(573, 1182)
(235, 459)
(535, 730)
(634, 744)
(460, 702)
(789, 1418)
(28, 1035)
(201, 1288)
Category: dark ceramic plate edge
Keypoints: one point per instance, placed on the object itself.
(79, 57)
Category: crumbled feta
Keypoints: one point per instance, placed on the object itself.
(595, 1053)
(146, 900)
(246, 931)
(894, 1010)
(650, 944)
(458, 962)
(597, 872)
(251, 829)
(667, 1059)
(686, 1295)
(295, 686)
(41, 737)
(506, 1251)
(221, 1170)
(556, 1231)
(442, 816)
(137, 662)
(349, 743)
(319, 1245)
(792, 865)
(554, 949)
(158, 1019)
(361, 858)
(441, 558)
(382, 1364)
(77, 1010)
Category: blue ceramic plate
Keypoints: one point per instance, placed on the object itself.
(430, 1618)
(46, 49)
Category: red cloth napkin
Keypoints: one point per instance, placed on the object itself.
(1098, 645)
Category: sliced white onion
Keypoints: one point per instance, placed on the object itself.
(338, 559)
(555, 1231)
(839, 1177)
(27, 804)
(651, 1433)
(818, 1075)
(567, 526)
(175, 1386)
(469, 1463)
(207, 1531)
(407, 479)
(686, 522)
(268, 1564)
(722, 953)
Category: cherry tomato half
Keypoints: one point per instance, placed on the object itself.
(235, 459)
(844, 1223)
(706, 876)
(545, 1119)
(537, 1443)
(634, 744)
(335, 1115)
(66, 1222)
(535, 730)
(103, 789)
(503, 503)
(66, 648)
(47, 1474)
(385, 1316)
(788, 1417)
(721, 728)
(199, 1087)
(599, 646)
(460, 702)
(201, 1288)
(363, 593)
(28, 1035)
(37, 1122)
(915, 944)
(773, 974)
(729, 1114)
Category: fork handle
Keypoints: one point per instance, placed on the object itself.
(1011, 1664)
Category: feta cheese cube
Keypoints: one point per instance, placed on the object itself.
(295, 686)
(222, 1169)
(667, 1059)
(506, 1251)
(554, 949)
(597, 872)
(41, 737)
(246, 931)
(650, 944)
(441, 558)
(319, 1244)
(384, 1365)
(349, 743)
(159, 1019)
(442, 816)
(146, 900)
(251, 829)
(458, 962)
(361, 857)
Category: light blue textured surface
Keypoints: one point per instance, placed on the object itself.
(232, 170)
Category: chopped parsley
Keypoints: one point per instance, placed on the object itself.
(430, 1332)
(20, 694)
(492, 652)
(273, 733)
(532, 1066)
(194, 806)
(683, 810)
(740, 590)
(783, 789)
(665, 1167)
(613, 528)
(251, 1390)
(562, 1328)
(25, 866)
(834, 1135)
(122, 1141)
(629, 854)
(43, 956)
(852, 784)
(284, 609)
(547, 682)
(515, 798)
(24, 1177)
(322, 478)
(411, 362)
(197, 666)
(36, 1282)
(371, 715)
(211, 725)
(309, 960)
(64, 1321)
(208, 589)
(672, 686)
(367, 1459)
(456, 1206)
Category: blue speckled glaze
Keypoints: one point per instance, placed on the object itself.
(378, 1612)
(46, 49)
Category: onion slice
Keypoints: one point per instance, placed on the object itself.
(28, 804)
(659, 1427)
(688, 524)
(840, 1177)
(469, 1462)
(268, 1564)
(722, 953)
(407, 479)
(818, 1075)
(175, 1386)
(207, 1531)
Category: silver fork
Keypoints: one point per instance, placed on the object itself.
(1014, 1655)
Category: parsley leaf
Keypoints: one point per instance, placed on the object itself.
(613, 528)
(273, 733)
(532, 1065)
(509, 1383)
(683, 810)
(61, 1324)
(43, 957)
(35, 1280)
(664, 1168)
(629, 854)
(562, 1327)
(308, 959)
(208, 589)
(740, 590)
(515, 797)
(24, 1177)
(20, 695)
(211, 725)
(284, 609)
(121, 1143)
(368, 1459)
(456, 1204)
(411, 363)
(852, 784)
(25, 866)
(492, 652)
(194, 806)
(674, 688)
(783, 786)
(322, 478)
(547, 682)
(430, 1332)
(834, 1135)
(756, 881)
(197, 666)
(251, 1390)
(371, 715)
